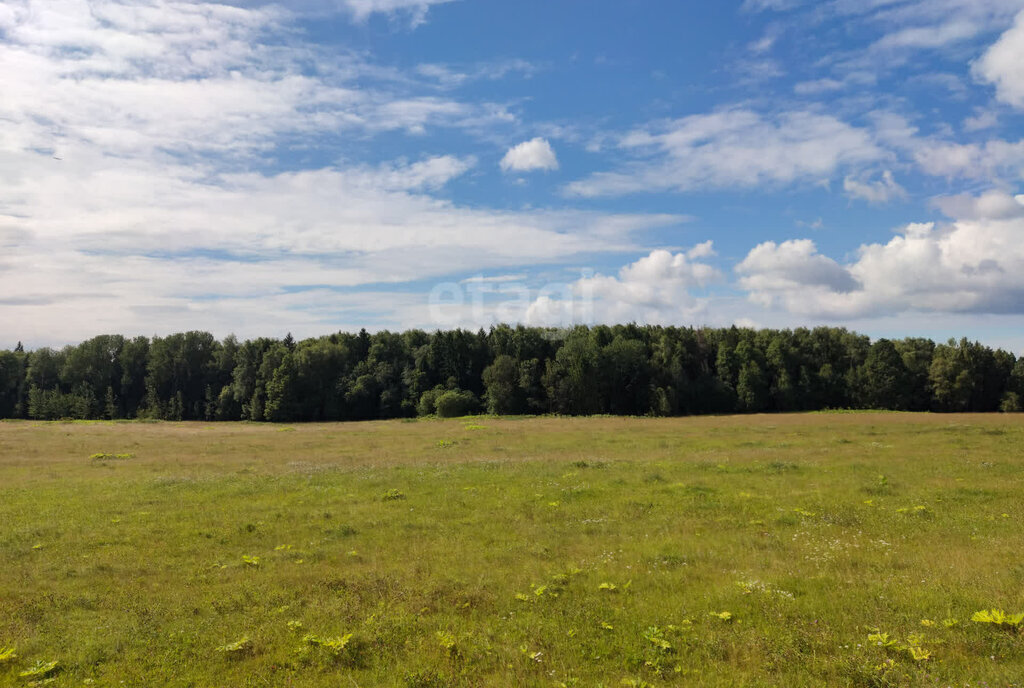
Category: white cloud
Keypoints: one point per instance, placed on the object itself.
(791, 265)
(876, 192)
(818, 86)
(991, 205)
(494, 279)
(897, 31)
(657, 288)
(932, 36)
(735, 149)
(165, 208)
(995, 159)
(1003, 65)
(535, 154)
(449, 76)
(144, 248)
(145, 79)
(975, 264)
(417, 9)
(981, 120)
(772, 5)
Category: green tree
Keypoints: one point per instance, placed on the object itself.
(504, 395)
(12, 384)
(885, 382)
(572, 377)
(752, 385)
(625, 376)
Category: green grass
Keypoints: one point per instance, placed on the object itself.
(500, 552)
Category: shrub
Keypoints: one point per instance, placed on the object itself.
(456, 402)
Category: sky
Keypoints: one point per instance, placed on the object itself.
(322, 165)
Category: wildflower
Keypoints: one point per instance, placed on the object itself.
(251, 561)
(724, 616)
(927, 623)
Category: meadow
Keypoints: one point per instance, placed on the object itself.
(822, 549)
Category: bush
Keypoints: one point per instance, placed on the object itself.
(427, 405)
(456, 402)
(1011, 403)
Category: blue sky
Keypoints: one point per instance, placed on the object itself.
(331, 164)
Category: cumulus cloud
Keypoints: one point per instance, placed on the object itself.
(876, 192)
(1003, 65)
(992, 205)
(657, 288)
(974, 264)
(535, 154)
(791, 265)
(734, 148)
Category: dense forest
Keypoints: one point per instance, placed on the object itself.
(625, 369)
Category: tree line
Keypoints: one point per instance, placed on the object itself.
(622, 369)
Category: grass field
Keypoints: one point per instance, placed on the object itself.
(803, 550)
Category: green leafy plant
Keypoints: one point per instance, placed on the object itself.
(345, 649)
(1000, 619)
(101, 456)
(40, 670)
(241, 647)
